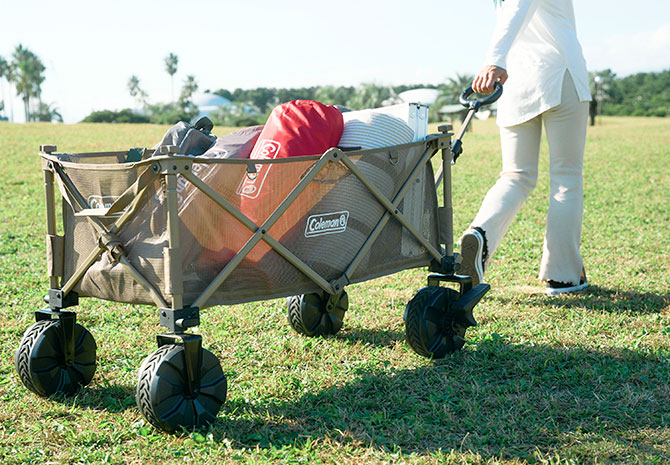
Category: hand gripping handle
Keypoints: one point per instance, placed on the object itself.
(476, 104)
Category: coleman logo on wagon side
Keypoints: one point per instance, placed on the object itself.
(326, 223)
(104, 201)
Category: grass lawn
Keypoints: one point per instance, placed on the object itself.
(578, 379)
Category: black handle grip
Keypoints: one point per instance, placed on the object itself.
(476, 104)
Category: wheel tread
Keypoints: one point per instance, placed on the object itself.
(22, 359)
(415, 324)
(145, 376)
(295, 315)
(196, 411)
(327, 322)
(66, 380)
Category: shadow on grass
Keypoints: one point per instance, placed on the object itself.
(376, 337)
(600, 299)
(495, 399)
(114, 398)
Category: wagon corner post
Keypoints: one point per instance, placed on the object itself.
(446, 223)
(172, 254)
(54, 242)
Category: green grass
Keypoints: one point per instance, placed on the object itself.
(579, 379)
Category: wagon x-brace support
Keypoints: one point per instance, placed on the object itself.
(259, 233)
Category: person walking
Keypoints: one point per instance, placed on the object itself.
(535, 52)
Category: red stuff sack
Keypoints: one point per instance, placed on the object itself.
(299, 127)
(302, 127)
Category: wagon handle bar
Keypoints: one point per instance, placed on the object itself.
(476, 104)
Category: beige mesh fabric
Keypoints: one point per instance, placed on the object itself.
(325, 227)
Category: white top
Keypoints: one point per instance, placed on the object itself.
(536, 42)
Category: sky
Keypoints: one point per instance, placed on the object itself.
(91, 48)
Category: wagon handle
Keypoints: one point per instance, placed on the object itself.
(476, 104)
(473, 106)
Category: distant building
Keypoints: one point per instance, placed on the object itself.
(208, 102)
(458, 111)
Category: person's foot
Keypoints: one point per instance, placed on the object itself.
(556, 288)
(472, 254)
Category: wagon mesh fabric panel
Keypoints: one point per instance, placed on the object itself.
(143, 239)
(325, 227)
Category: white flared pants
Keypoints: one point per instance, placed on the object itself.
(565, 127)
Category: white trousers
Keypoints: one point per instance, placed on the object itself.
(565, 127)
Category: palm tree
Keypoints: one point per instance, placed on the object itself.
(136, 91)
(189, 88)
(459, 83)
(369, 95)
(4, 74)
(332, 95)
(47, 112)
(171, 62)
(27, 75)
(451, 91)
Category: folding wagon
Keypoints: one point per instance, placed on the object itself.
(185, 233)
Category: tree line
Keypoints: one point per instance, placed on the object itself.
(641, 94)
(249, 105)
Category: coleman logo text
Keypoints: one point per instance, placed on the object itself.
(103, 201)
(326, 223)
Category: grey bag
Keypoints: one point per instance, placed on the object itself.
(190, 140)
(237, 144)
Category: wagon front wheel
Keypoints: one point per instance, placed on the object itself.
(431, 325)
(318, 313)
(164, 396)
(42, 364)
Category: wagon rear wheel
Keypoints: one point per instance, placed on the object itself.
(317, 314)
(163, 396)
(430, 324)
(41, 363)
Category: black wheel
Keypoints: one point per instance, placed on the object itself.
(317, 314)
(429, 323)
(162, 390)
(40, 359)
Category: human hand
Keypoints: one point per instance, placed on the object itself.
(485, 81)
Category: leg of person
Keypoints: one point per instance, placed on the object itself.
(562, 266)
(520, 153)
